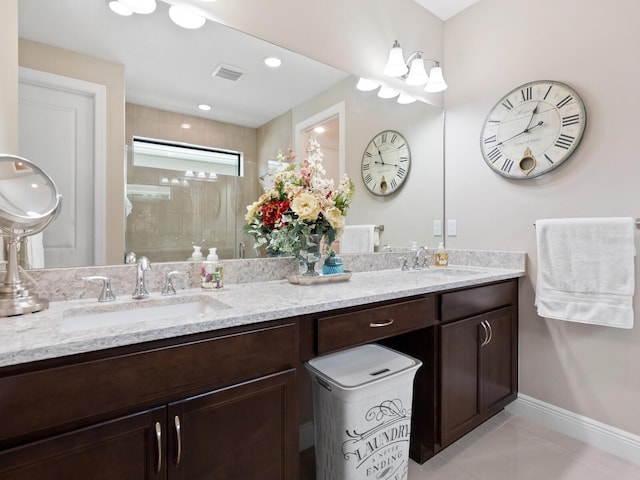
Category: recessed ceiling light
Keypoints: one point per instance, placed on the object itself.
(185, 126)
(185, 17)
(272, 62)
(204, 107)
(120, 9)
(140, 6)
(319, 129)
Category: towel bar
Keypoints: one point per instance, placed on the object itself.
(637, 223)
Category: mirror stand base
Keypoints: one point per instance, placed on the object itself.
(19, 305)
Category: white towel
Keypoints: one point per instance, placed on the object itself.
(35, 251)
(359, 239)
(586, 270)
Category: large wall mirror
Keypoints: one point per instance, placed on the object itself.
(166, 71)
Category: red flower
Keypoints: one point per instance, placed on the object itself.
(272, 212)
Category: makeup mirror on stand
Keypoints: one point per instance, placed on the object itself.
(29, 201)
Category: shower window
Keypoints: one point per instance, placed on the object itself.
(180, 195)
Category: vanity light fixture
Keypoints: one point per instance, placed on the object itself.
(413, 71)
(120, 8)
(366, 85)
(140, 6)
(185, 17)
(387, 92)
(405, 99)
(182, 15)
(272, 62)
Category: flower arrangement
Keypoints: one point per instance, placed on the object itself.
(301, 203)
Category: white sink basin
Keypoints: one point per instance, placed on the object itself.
(148, 310)
(446, 272)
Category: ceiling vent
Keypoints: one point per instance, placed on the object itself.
(228, 72)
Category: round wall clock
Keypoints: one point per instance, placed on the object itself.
(533, 129)
(385, 163)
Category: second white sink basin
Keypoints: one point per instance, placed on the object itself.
(140, 311)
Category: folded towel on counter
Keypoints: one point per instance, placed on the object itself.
(586, 270)
(359, 239)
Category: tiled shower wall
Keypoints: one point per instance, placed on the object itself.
(206, 213)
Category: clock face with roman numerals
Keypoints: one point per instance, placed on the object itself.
(385, 163)
(533, 129)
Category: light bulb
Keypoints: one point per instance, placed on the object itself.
(366, 85)
(387, 92)
(140, 6)
(395, 64)
(185, 17)
(436, 81)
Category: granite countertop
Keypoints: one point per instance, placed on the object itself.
(53, 332)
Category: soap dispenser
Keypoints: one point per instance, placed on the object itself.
(196, 256)
(212, 273)
(441, 256)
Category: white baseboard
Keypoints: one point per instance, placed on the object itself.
(600, 435)
(306, 436)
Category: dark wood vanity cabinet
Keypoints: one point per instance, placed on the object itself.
(469, 369)
(478, 357)
(222, 407)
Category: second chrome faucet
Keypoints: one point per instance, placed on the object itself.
(143, 265)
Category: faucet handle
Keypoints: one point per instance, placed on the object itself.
(106, 295)
(144, 263)
(167, 287)
(405, 266)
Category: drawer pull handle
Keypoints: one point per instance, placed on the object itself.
(486, 333)
(159, 440)
(490, 331)
(381, 324)
(176, 422)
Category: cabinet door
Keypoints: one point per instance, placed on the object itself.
(128, 448)
(460, 405)
(499, 361)
(242, 432)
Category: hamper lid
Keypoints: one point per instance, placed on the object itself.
(359, 366)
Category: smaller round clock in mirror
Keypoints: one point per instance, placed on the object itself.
(533, 129)
(386, 163)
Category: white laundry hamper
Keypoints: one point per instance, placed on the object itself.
(362, 400)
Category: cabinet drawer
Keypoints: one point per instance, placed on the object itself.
(371, 324)
(476, 300)
(41, 400)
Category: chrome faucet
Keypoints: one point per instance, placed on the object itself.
(142, 265)
(106, 295)
(416, 261)
(168, 288)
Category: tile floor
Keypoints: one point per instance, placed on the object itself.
(509, 447)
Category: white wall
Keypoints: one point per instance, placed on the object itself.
(408, 215)
(491, 48)
(9, 77)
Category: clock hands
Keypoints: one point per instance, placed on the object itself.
(379, 153)
(533, 112)
(526, 130)
(390, 164)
